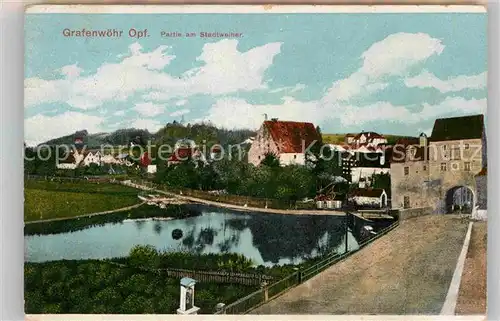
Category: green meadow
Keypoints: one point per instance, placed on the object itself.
(48, 200)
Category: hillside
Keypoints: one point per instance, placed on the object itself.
(172, 132)
(119, 137)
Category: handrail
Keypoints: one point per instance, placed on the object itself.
(300, 276)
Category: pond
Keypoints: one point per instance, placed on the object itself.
(266, 239)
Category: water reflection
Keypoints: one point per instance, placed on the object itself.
(267, 239)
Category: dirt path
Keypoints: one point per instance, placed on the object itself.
(408, 271)
(472, 293)
(239, 207)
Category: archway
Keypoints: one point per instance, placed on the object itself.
(459, 200)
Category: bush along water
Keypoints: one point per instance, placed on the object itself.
(77, 224)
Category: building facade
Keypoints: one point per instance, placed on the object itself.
(287, 140)
(435, 172)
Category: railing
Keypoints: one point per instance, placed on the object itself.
(266, 293)
(206, 276)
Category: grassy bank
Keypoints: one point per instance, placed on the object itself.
(46, 199)
(102, 286)
(98, 287)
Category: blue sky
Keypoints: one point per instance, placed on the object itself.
(386, 72)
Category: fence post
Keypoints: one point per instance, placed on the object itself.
(263, 285)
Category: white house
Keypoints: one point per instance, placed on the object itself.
(92, 158)
(108, 159)
(151, 169)
(369, 197)
(69, 163)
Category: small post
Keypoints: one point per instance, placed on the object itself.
(186, 305)
(346, 232)
(263, 285)
(220, 308)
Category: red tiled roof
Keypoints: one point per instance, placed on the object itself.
(145, 159)
(181, 154)
(290, 136)
(69, 160)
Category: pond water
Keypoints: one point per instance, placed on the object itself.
(267, 239)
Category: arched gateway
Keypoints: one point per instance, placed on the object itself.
(459, 199)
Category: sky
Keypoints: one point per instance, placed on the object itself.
(393, 73)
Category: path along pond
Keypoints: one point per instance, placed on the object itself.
(266, 239)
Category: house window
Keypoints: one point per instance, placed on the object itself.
(467, 166)
(425, 167)
(443, 167)
(406, 202)
(407, 171)
(466, 146)
(259, 157)
(455, 153)
(295, 156)
(444, 148)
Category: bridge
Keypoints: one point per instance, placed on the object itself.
(407, 271)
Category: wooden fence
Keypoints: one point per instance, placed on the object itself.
(208, 276)
(219, 277)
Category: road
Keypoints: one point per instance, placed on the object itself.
(408, 271)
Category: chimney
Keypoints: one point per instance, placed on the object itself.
(274, 119)
(423, 140)
(265, 117)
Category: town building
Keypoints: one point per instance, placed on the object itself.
(360, 167)
(368, 197)
(184, 154)
(288, 140)
(68, 163)
(440, 172)
(92, 158)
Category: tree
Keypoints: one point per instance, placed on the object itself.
(382, 180)
(144, 256)
(270, 160)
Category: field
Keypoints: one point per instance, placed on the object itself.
(47, 200)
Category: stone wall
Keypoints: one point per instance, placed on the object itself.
(427, 183)
(262, 144)
(412, 185)
(405, 214)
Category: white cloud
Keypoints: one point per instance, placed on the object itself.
(181, 102)
(246, 115)
(149, 124)
(392, 56)
(426, 79)
(41, 128)
(385, 111)
(224, 70)
(71, 71)
(149, 109)
(119, 113)
(180, 112)
(290, 89)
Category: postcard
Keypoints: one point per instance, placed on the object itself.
(255, 160)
